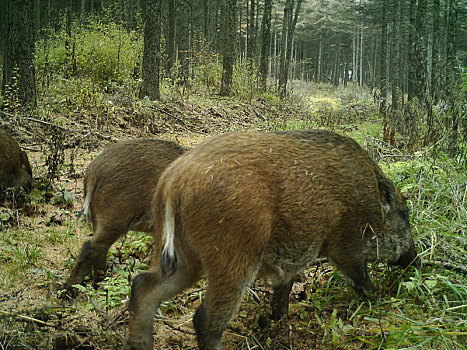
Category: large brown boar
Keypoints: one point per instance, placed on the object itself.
(15, 170)
(246, 205)
(118, 189)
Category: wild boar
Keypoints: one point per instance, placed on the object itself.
(118, 189)
(15, 170)
(246, 205)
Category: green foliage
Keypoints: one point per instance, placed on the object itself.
(438, 203)
(244, 82)
(11, 96)
(102, 51)
(207, 70)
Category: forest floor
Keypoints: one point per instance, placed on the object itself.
(40, 238)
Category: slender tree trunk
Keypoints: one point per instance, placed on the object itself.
(451, 46)
(420, 50)
(361, 58)
(170, 36)
(18, 83)
(230, 15)
(411, 84)
(384, 44)
(396, 62)
(435, 52)
(320, 55)
(265, 42)
(354, 56)
(250, 54)
(183, 38)
(453, 118)
(206, 16)
(151, 52)
(289, 23)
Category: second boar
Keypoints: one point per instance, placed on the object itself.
(118, 189)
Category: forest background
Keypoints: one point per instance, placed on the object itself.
(77, 75)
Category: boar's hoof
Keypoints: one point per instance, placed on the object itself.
(365, 290)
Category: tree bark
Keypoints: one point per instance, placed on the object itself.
(183, 38)
(251, 33)
(18, 68)
(435, 52)
(396, 52)
(170, 36)
(151, 51)
(384, 45)
(411, 83)
(289, 23)
(420, 51)
(230, 15)
(265, 42)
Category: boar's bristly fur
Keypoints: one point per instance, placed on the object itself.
(15, 170)
(246, 205)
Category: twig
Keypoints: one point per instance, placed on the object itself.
(27, 318)
(178, 329)
(99, 310)
(110, 138)
(170, 115)
(447, 265)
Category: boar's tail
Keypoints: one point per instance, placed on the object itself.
(88, 192)
(85, 210)
(169, 258)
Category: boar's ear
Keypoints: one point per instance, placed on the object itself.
(388, 194)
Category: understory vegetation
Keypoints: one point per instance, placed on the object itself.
(88, 102)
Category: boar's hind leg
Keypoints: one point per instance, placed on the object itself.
(280, 299)
(222, 301)
(353, 267)
(93, 254)
(148, 290)
(100, 246)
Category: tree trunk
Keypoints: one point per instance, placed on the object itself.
(250, 54)
(420, 51)
(396, 62)
(183, 38)
(289, 23)
(360, 76)
(18, 83)
(435, 52)
(151, 53)
(383, 62)
(451, 46)
(265, 42)
(170, 37)
(230, 15)
(411, 87)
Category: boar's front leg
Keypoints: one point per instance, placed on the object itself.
(280, 299)
(353, 266)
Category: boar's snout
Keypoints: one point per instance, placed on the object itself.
(409, 257)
